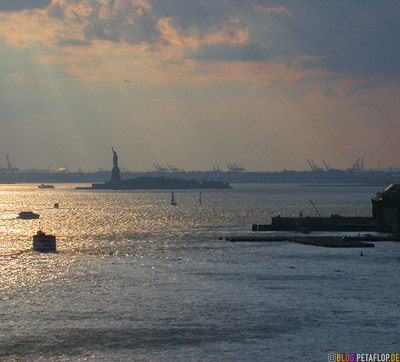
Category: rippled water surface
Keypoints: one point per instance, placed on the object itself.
(135, 278)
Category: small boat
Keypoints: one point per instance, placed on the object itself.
(43, 242)
(173, 202)
(44, 186)
(27, 215)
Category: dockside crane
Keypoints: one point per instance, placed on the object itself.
(328, 168)
(233, 167)
(159, 168)
(172, 168)
(216, 168)
(313, 166)
(10, 168)
(315, 208)
(358, 165)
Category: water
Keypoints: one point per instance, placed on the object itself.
(137, 279)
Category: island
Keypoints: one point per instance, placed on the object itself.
(151, 183)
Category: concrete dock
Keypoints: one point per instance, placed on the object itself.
(326, 241)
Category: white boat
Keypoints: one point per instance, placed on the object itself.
(173, 202)
(27, 215)
(44, 186)
(43, 242)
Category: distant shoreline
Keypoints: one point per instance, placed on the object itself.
(158, 183)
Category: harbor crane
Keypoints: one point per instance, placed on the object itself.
(172, 168)
(315, 208)
(313, 166)
(358, 165)
(159, 168)
(329, 168)
(216, 168)
(233, 167)
(10, 168)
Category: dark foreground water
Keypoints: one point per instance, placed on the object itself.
(136, 279)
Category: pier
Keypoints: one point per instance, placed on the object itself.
(326, 241)
(307, 224)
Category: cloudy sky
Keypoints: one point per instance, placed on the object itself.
(266, 84)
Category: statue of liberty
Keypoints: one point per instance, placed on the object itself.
(115, 173)
(115, 157)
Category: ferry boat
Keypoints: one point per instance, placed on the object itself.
(44, 186)
(43, 242)
(27, 215)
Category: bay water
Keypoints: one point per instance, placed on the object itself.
(137, 279)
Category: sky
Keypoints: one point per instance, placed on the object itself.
(195, 83)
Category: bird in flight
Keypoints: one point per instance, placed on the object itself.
(127, 81)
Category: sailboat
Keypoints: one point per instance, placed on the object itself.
(200, 201)
(173, 202)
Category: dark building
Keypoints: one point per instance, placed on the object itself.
(386, 209)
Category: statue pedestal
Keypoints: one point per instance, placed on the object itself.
(115, 175)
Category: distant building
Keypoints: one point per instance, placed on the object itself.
(386, 209)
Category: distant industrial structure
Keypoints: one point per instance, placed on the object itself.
(233, 167)
(216, 168)
(356, 174)
(357, 166)
(169, 168)
(10, 167)
(314, 167)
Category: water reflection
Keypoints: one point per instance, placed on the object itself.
(136, 223)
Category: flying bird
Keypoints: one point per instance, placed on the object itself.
(127, 81)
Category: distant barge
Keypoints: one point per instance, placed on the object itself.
(335, 222)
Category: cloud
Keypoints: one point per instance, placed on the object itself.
(367, 104)
(124, 22)
(330, 93)
(349, 39)
(358, 38)
(72, 42)
(18, 5)
(249, 52)
(276, 10)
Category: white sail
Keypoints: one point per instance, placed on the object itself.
(173, 202)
